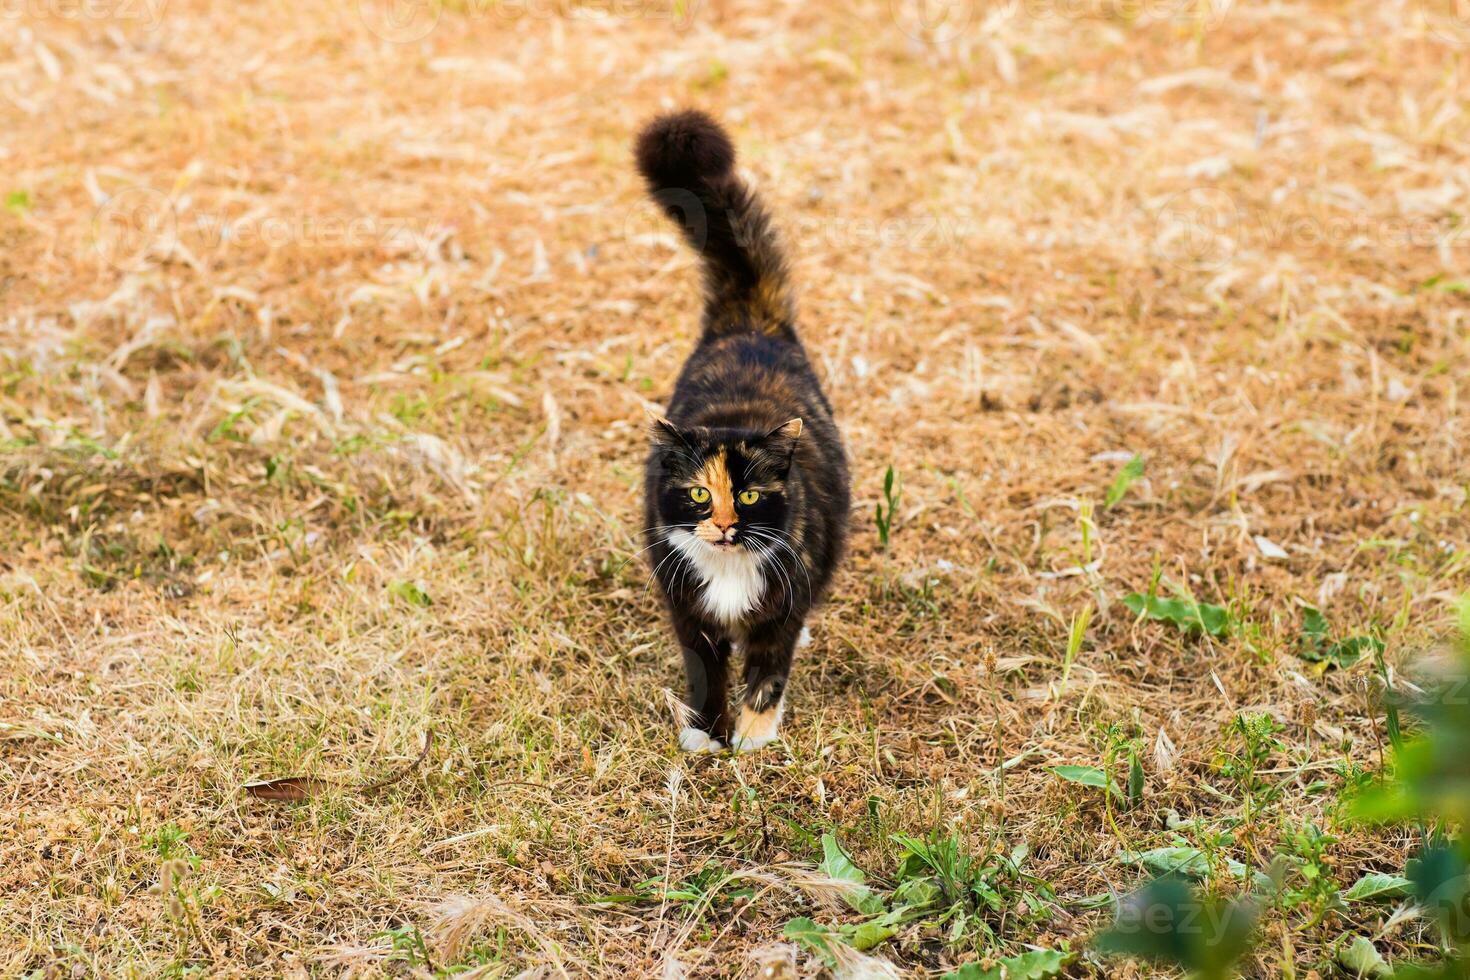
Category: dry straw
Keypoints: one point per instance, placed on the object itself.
(325, 345)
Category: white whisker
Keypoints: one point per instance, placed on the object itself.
(772, 536)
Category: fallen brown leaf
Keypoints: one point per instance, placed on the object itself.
(294, 789)
(289, 788)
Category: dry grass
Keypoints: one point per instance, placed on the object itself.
(300, 329)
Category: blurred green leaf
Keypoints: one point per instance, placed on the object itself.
(1361, 960)
(1316, 647)
(1083, 775)
(814, 938)
(1188, 861)
(917, 893)
(1039, 964)
(836, 864)
(1131, 472)
(1314, 624)
(1191, 862)
(865, 935)
(1440, 876)
(1188, 615)
(1170, 922)
(1453, 968)
(1372, 887)
(410, 592)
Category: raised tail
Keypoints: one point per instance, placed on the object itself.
(689, 164)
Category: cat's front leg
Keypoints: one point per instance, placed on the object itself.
(768, 652)
(706, 670)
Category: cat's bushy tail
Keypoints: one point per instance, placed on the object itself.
(689, 164)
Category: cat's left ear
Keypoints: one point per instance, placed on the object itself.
(781, 440)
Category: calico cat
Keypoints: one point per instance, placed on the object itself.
(746, 490)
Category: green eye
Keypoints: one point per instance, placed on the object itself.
(748, 497)
(699, 495)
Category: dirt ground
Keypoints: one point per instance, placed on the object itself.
(327, 332)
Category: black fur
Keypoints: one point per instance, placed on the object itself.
(688, 163)
(682, 148)
(735, 401)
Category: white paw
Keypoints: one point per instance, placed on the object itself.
(805, 639)
(698, 740)
(756, 729)
(751, 743)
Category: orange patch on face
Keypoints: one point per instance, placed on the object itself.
(715, 477)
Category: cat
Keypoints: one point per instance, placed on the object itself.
(746, 494)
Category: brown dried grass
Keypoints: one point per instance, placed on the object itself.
(1217, 235)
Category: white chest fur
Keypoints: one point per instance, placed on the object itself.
(732, 582)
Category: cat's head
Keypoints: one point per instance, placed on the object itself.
(723, 487)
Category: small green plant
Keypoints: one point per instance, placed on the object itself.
(1130, 474)
(1429, 785)
(964, 891)
(168, 842)
(1317, 646)
(1075, 636)
(225, 428)
(408, 945)
(176, 889)
(1038, 964)
(1118, 747)
(1258, 740)
(1378, 886)
(939, 885)
(835, 944)
(1242, 765)
(829, 943)
(410, 592)
(892, 492)
(1185, 613)
(1311, 887)
(709, 885)
(1361, 959)
(1196, 863)
(1090, 776)
(838, 866)
(1122, 746)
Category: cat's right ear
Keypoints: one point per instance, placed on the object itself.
(665, 434)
